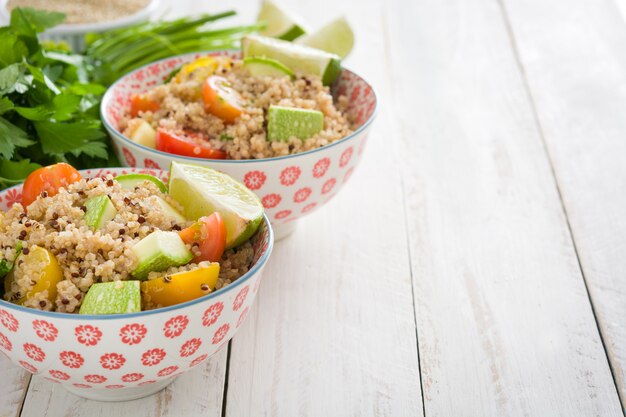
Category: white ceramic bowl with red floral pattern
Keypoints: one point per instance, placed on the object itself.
(290, 186)
(127, 356)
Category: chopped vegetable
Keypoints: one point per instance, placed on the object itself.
(181, 287)
(99, 211)
(43, 269)
(130, 181)
(209, 233)
(286, 122)
(170, 211)
(47, 181)
(220, 99)
(185, 144)
(260, 66)
(116, 297)
(159, 251)
(140, 131)
(141, 103)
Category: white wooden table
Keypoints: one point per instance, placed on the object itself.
(476, 263)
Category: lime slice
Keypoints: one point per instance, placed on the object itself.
(297, 57)
(130, 181)
(285, 122)
(202, 191)
(261, 67)
(336, 37)
(279, 23)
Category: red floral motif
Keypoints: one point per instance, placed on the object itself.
(190, 347)
(302, 194)
(9, 321)
(354, 94)
(345, 157)
(175, 326)
(328, 185)
(95, 379)
(130, 159)
(309, 207)
(212, 314)
(167, 371)
(152, 357)
(79, 385)
(59, 375)
(134, 377)
(30, 368)
(132, 334)
(271, 200)
(242, 316)
(149, 163)
(46, 331)
(13, 197)
(320, 167)
(71, 359)
(241, 297)
(112, 361)
(141, 384)
(289, 175)
(34, 352)
(51, 380)
(254, 180)
(198, 360)
(282, 214)
(147, 171)
(220, 333)
(348, 174)
(88, 335)
(114, 386)
(5, 343)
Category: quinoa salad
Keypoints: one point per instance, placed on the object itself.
(120, 239)
(221, 108)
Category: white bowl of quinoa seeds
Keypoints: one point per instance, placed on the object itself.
(85, 16)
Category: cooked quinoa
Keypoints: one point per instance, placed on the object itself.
(182, 109)
(88, 256)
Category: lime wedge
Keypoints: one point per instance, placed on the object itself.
(202, 191)
(130, 181)
(297, 57)
(336, 37)
(261, 67)
(279, 23)
(285, 122)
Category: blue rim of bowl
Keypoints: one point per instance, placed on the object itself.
(255, 268)
(107, 97)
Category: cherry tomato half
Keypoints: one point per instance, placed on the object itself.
(48, 179)
(209, 232)
(140, 102)
(185, 144)
(220, 100)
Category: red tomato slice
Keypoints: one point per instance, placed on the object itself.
(48, 179)
(185, 144)
(140, 102)
(209, 232)
(220, 100)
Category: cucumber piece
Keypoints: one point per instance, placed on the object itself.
(158, 251)
(130, 181)
(100, 210)
(297, 57)
(140, 131)
(262, 67)
(170, 211)
(285, 122)
(117, 297)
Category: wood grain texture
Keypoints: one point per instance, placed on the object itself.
(13, 385)
(581, 104)
(333, 330)
(504, 321)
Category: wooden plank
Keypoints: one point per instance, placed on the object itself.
(504, 321)
(333, 329)
(13, 385)
(580, 105)
(199, 392)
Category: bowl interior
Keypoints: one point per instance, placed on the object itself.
(261, 241)
(361, 97)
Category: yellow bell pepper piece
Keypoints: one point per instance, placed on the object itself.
(182, 286)
(199, 69)
(46, 277)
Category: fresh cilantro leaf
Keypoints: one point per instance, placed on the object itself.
(65, 105)
(15, 49)
(30, 21)
(14, 172)
(60, 138)
(11, 137)
(12, 79)
(35, 113)
(39, 75)
(95, 149)
(85, 89)
(5, 105)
